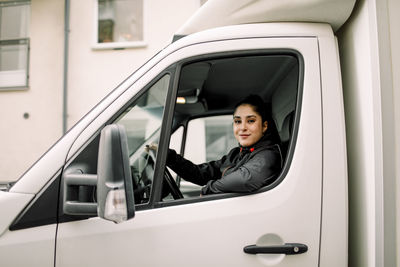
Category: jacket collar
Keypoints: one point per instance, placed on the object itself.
(264, 141)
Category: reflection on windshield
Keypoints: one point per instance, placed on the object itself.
(141, 123)
(143, 120)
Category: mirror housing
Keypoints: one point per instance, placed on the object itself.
(115, 195)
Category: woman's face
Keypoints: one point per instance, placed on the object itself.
(248, 127)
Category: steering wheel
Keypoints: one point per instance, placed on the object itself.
(173, 187)
(169, 184)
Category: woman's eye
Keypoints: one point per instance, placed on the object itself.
(251, 121)
(236, 122)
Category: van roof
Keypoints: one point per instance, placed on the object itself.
(216, 13)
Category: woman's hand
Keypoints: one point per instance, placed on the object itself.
(152, 146)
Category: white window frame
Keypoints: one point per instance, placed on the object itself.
(115, 45)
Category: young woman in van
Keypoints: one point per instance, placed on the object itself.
(255, 163)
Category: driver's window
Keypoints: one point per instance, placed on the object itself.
(142, 121)
(207, 139)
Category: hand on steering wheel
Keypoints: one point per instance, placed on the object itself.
(151, 147)
(168, 179)
(173, 187)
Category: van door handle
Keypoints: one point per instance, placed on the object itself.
(288, 249)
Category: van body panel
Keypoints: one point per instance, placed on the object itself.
(287, 29)
(10, 205)
(334, 232)
(219, 13)
(29, 247)
(221, 228)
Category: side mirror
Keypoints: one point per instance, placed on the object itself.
(115, 196)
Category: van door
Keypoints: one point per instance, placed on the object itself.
(218, 230)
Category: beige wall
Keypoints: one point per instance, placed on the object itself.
(22, 141)
(91, 74)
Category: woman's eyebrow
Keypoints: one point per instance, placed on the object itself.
(251, 116)
(248, 116)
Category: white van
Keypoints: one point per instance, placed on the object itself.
(61, 212)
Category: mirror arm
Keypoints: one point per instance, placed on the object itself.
(75, 187)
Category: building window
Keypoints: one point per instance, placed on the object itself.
(14, 44)
(119, 23)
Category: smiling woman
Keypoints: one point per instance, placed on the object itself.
(256, 162)
(248, 125)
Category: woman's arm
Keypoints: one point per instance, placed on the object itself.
(261, 169)
(197, 174)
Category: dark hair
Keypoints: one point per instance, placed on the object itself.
(264, 110)
(258, 104)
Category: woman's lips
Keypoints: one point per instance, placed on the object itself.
(244, 136)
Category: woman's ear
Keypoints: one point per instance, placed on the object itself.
(265, 127)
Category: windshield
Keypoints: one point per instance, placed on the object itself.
(141, 123)
(143, 119)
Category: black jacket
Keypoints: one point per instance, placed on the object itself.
(243, 169)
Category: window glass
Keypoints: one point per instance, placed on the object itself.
(142, 122)
(14, 20)
(176, 139)
(176, 144)
(209, 138)
(219, 137)
(120, 21)
(14, 43)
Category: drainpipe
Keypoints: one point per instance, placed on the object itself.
(65, 78)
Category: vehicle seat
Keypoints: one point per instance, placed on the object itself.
(286, 132)
(283, 105)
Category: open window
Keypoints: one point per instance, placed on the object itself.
(208, 91)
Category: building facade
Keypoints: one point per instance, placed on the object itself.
(58, 58)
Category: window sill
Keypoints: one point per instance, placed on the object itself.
(13, 88)
(118, 45)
